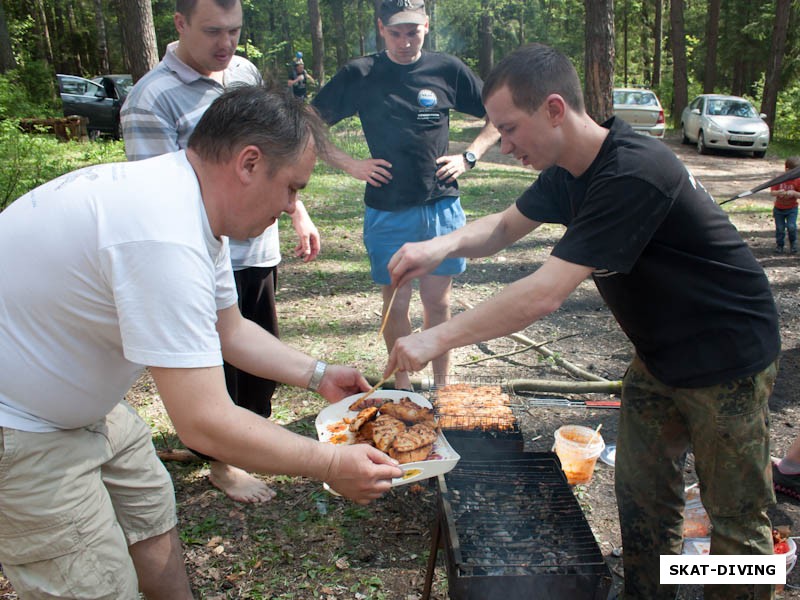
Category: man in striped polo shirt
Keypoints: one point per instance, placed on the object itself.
(159, 115)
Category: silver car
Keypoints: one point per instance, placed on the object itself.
(725, 122)
(641, 109)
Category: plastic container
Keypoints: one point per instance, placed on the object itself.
(696, 522)
(577, 448)
(791, 555)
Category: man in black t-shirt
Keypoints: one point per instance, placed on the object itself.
(680, 281)
(403, 97)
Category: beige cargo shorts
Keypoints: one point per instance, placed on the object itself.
(72, 501)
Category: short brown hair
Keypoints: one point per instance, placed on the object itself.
(533, 72)
(186, 7)
(792, 162)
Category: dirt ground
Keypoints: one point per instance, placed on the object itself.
(285, 549)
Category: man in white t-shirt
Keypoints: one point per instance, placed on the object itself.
(101, 277)
(159, 115)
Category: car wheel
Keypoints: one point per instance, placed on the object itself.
(701, 143)
(759, 154)
(684, 137)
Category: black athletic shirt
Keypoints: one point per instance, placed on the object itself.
(672, 268)
(405, 113)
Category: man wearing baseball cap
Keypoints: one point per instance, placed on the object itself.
(403, 97)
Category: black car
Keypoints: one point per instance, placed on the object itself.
(100, 101)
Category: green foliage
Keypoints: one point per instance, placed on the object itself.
(787, 117)
(28, 92)
(29, 160)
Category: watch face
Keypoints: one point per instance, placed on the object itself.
(471, 158)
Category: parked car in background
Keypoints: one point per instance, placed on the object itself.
(725, 122)
(641, 109)
(100, 103)
(116, 86)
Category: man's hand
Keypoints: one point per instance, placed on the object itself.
(308, 240)
(450, 167)
(340, 382)
(413, 352)
(413, 260)
(375, 171)
(361, 473)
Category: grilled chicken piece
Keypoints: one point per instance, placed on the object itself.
(384, 431)
(365, 415)
(364, 435)
(408, 411)
(415, 437)
(363, 403)
(415, 455)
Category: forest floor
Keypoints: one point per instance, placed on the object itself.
(307, 544)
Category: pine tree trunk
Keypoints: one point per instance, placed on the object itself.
(138, 36)
(102, 40)
(41, 31)
(712, 35)
(599, 58)
(772, 82)
(680, 96)
(431, 42)
(379, 45)
(340, 32)
(485, 41)
(7, 60)
(317, 41)
(658, 37)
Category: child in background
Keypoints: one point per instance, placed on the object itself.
(785, 210)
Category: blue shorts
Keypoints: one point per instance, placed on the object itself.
(385, 231)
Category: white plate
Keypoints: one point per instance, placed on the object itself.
(443, 457)
(609, 455)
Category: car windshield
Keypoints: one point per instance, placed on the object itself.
(731, 108)
(124, 84)
(635, 98)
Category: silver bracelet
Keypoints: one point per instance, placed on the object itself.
(316, 376)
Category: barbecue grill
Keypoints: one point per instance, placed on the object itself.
(512, 529)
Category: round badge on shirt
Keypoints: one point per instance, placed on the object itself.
(426, 99)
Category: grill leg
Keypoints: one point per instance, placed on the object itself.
(435, 535)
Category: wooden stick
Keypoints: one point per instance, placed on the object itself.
(377, 385)
(388, 310)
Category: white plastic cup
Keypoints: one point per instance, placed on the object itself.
(577, 448)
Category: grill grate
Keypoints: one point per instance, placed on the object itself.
(512, 525)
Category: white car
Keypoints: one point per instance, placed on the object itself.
(641, 109)
(725, 122)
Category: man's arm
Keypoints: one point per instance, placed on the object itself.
(308, 240)
(511, 310)
(375, 171)
(251, 348)
(482, 237)
(206, 419)
(451, 166)
(146, 134)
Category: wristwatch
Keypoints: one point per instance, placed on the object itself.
(316, 376)
(470, 158)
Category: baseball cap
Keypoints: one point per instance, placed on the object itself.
(400, 12)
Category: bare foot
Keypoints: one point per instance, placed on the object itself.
(239, 485)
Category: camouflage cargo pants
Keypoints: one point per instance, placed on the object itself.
(727, 428)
